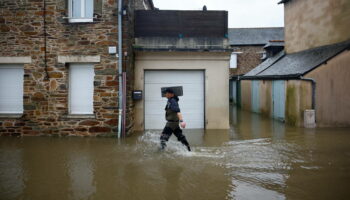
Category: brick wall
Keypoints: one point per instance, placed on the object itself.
(24, 32)
(249, 58)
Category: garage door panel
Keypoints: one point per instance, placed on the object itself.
(191, 104)
(185, 110)
(190, 92)
(192, 109)
(161, 77)
(154, 108)
(153, 122)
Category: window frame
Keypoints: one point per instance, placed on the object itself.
(70, 66)
(82, 19)
(236, 55)
(15, 66)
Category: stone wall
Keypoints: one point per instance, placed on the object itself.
(29, 29)
(142, 5)
(248, 58)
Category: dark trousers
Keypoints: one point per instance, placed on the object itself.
(167, 131)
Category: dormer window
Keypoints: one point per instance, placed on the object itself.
(81, 11)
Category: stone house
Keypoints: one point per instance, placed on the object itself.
(59, 67)
(306, 84)
(67, 67)
(250, 47)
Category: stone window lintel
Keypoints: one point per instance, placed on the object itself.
(15, 60)
(11, 115)
(79, 59)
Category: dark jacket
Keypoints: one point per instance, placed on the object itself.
(171, 110)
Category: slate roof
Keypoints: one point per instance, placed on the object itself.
(296, 64)
(254, 36)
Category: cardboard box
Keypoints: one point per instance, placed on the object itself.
(178, 90)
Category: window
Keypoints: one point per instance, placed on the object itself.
(233, 60)
(80, 10)
(81, 88)
(11, 89)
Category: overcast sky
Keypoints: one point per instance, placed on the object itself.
(242, 13)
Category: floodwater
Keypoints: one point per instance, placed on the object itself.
(256, 159)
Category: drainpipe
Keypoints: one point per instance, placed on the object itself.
(120, 65)
(313, 83)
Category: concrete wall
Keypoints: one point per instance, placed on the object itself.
(216, 67)
(298, 98)
(314, 23)
(266, 98)
(246, 95)
(332, 91)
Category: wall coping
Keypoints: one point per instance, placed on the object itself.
(15, 60)
(79, 59)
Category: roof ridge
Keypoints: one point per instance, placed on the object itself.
(323, 46)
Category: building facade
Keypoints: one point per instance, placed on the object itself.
(191, 50)
(58, 75)
(61, 68)
(248, 51)
(248, 47)
(305, 84)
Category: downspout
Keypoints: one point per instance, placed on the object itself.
(313, 83)
(120, 65)
(45, 41)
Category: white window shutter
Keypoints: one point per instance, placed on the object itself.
(233, 60)
(11, 89)
(81, 88)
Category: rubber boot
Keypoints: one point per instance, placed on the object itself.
(162, 144)
(188, 147)
(184, 142)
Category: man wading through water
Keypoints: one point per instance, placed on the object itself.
(173, 117)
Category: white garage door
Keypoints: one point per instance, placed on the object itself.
(191, 103)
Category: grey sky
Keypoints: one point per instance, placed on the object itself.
(242, 13)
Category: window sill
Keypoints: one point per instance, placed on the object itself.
(80, 116)
(11, 115)
(89, 20)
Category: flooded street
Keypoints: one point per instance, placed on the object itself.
(256, 159)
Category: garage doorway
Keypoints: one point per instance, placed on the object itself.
(191, 103)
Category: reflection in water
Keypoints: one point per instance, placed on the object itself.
(12, 176)
(257, 158)
(81, 172)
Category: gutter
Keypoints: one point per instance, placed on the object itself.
(120, 66)
(272, 77)
(47, 77)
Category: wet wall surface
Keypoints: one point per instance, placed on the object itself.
(256, 159)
